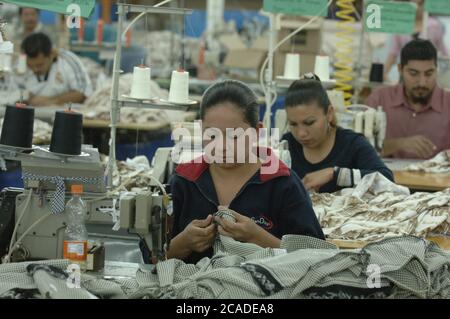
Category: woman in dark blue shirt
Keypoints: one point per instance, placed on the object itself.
(265, 197)
(326, 157)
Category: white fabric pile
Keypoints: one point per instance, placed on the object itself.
(98, 105)
(42, 131)
(131, 174)
(438, 164)
(377, 208)
(95, 70)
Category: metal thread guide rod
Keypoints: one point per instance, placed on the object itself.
(269, 76)
(114, 97)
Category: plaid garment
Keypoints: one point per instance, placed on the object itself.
(410, 267)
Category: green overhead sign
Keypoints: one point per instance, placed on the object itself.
(437, 6)
(390, 17)
(297, 7)
(67, 7)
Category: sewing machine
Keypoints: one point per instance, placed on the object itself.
(47, 177)
(365, 120)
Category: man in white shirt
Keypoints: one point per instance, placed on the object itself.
(54, 77)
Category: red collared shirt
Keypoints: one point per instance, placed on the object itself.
(277, 201)
(433, 121)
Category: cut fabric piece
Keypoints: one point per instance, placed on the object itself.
(378, 209)
(439, 164)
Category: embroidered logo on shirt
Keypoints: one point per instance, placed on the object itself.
(263, 221)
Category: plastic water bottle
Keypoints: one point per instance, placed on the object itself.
(76, 236)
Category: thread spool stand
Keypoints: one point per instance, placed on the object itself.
(116, 104)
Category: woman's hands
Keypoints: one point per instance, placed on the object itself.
(244, 229)
(315, 180)
(199, 235)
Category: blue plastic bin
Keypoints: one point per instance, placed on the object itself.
(12, 178)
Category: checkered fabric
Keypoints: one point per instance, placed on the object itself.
(58, 201)
(409, 267)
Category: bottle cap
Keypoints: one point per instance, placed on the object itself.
(76, 189)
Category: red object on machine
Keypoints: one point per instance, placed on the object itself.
(128, 39)
(100, 27)
(81, 31)
(201, 55)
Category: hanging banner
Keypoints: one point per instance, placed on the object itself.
(390, 17)
(297, 7)
(437, 6)
(68, 7)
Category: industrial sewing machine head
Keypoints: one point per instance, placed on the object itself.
(47, 178)
(39, 208)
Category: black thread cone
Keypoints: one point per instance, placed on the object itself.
(67, 133)
(376, 72)
(17, 129)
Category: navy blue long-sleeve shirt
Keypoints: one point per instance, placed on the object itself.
(277, 202)
(352, 154)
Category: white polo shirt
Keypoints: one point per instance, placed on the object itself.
(66, 74)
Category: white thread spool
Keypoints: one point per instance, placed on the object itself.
(140, 88)
(369, 121)
(22, 64)
(6, 62)
(322, 67)
(359, 122)
(292, 66)
(179, 87)
(2, 62)
(382, 123)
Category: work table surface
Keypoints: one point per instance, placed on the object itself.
(420, 181)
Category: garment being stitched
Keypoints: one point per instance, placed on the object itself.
(303, 267)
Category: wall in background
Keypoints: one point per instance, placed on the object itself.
(381, 53)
